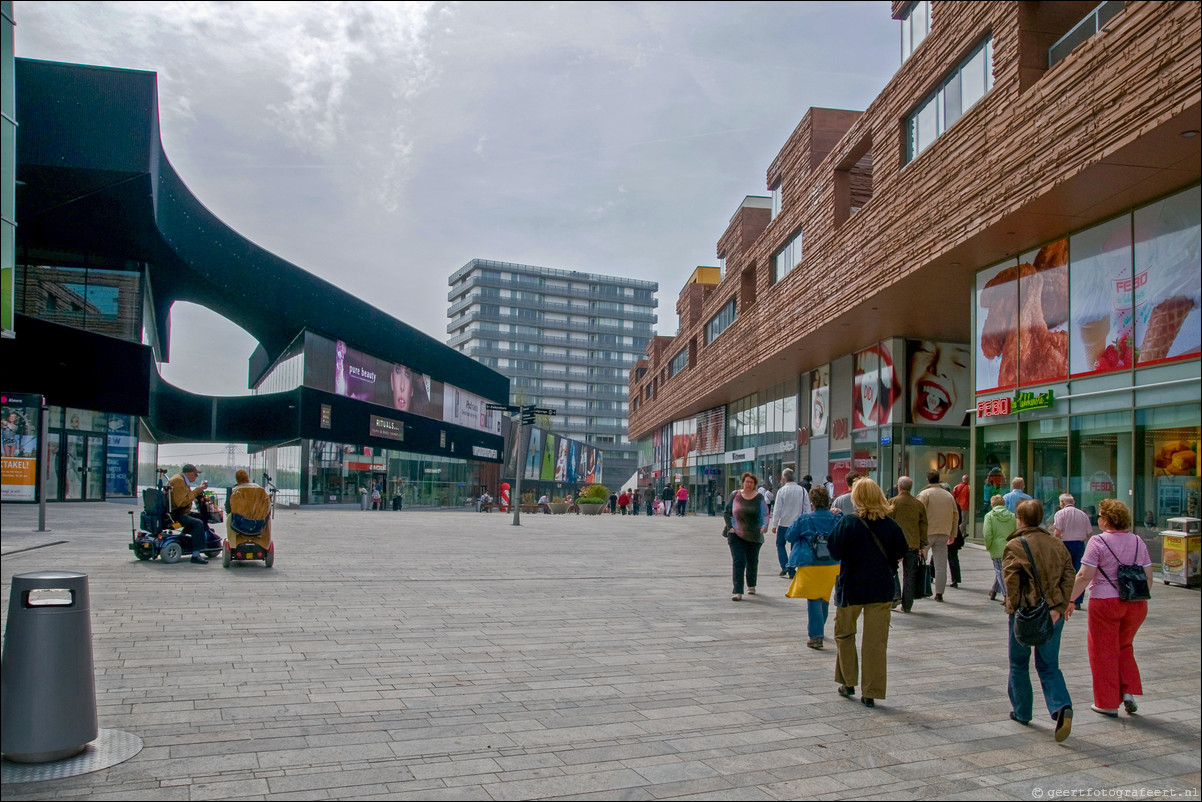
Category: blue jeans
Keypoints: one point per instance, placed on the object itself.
(1047, 666)
(999, 584)
(782, 556)
(818, 612)
(1076, 550)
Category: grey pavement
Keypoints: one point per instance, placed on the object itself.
(422, 655)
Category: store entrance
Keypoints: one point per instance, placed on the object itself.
(82, 477)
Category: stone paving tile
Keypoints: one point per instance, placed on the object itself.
(592, 659)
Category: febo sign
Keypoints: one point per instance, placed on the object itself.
(993, 408)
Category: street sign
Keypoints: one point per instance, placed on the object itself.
(527, 419)
(501, 407)
(542, 411)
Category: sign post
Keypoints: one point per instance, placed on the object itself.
(525, 417)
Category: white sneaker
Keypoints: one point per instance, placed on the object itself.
(750, 591)
(737, 597)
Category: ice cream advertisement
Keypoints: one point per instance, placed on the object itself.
(1102, 334)
(1042, 336)
(1166, 282)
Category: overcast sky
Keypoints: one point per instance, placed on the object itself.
(383, 145)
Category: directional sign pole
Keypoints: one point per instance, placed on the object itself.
(520, 464)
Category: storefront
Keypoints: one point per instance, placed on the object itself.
(1104, 402)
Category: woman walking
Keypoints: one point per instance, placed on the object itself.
(1031, 552)
(869, 545)
(810, 558)
(1000, 523)
(746, 516)
(1112, 621)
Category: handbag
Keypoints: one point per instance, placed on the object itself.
(1132, 581)
(1033, 625)
(928, 580)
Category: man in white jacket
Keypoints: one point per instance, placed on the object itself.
(792, 502)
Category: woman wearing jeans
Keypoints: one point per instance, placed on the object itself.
(1112, 621)
(816, 577)
(1033, 549)
(1000, 523)
(746, 516)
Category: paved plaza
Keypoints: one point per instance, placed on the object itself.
(450, 655)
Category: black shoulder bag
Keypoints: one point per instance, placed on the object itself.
(1033, 625)
(1132, 581)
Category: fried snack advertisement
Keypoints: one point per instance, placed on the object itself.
(1042, 317)
(1176, 458)
(997, 326)
(1168, 240)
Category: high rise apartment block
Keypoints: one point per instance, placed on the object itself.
(566, 340)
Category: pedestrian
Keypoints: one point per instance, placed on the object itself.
(962, 494)
(807, 483)
(911, 515)
(375, 498)
(1112, 621)
(843, 504)
(1000, 523)
(635, 502)
(942, 526)
(682, 500)
(791, 503)
(624, 501)
(746, 516)
(869, 545)
(809, 539)
(544, 504)
(1073, 527)
(1032, 551)
(668, 498)
(830, 488)
(613, 503)
(1017, 493)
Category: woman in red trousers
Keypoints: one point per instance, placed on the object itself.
(1112, 622)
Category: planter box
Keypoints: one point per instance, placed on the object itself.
(591, 509)
(558, 508)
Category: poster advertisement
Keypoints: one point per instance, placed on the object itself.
(336, 368)
(820, 381)
(937, 379)
(875, 387)
(684, 441)
(711, 431)
(121, 457)
(659, 450)
(1167, 263)
(20, 417)
(1043, 315)
(997, 327)
(573, 460)
(534, 454)
(469, 410)
(1102, 333)
(548, 471)
(561, 460)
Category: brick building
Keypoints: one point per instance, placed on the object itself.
(1016, 213)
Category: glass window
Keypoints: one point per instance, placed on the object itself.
(1167, 475)
(1168, 241)
(678, 363)
(915, 25)
(775, 203)
(1101, 333)
(720, 322)
(966, 84)
(786, 258)
(1102, 460)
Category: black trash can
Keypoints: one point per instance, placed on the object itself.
(48, 693)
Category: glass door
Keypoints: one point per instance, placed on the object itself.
(83, 471)
(94, 483)
(1047, 456)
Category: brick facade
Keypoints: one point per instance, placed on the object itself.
(1045, 152)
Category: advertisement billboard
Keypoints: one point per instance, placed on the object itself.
(20, 419)
(937, 382)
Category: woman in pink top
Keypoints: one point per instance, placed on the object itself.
(682, 499)
(1112, 622)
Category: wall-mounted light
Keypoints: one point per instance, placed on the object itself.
(1189, 134)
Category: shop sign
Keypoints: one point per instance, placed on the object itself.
(326, 414)
(387, 428)
(481, 451)
(950, 461)
(742, 455)
(1028, 401)
(432, 470)
(994, 407)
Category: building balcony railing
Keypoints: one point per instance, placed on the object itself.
(465, 301)
(592, 326)
(547, 359)
(540, 274)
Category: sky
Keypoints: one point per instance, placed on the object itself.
(382, 146)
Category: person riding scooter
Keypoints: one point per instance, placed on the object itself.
(182, 495)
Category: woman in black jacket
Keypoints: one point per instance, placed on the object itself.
(869, 545)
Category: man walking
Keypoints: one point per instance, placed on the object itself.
(1073, 527)
(843, 505)
(961, 493)
(792, 501)
(911, 515)
(1017, 493)
(943, 518)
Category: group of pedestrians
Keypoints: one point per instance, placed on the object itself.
(852, 547)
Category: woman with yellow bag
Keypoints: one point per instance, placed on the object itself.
(810, 556)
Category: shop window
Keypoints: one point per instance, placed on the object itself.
(1167, 482)
(90, 298)
(1167, 245)
(1102, 460)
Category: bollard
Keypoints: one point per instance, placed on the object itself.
(48, 685)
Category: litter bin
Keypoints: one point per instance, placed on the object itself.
(48, 686)
(1180, 550)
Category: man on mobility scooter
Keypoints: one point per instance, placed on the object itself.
(248, 527)
(182, 495)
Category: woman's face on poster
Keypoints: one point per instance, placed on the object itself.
(402, 387)
(938, 382)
